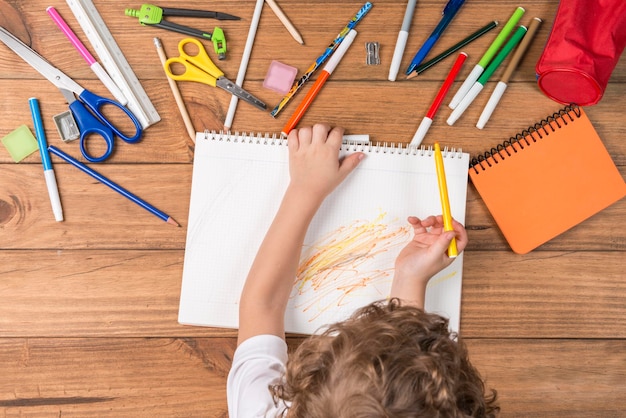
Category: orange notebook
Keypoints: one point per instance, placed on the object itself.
(547, 179)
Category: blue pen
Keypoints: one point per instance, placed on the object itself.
(48, 172)
(449, 12)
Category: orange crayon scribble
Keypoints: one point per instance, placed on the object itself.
(338, 265)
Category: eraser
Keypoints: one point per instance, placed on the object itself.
(280, 77)
(20, 143)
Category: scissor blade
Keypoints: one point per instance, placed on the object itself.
(233, 88)
(39, 63)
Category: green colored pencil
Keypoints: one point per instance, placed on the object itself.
(480, 32)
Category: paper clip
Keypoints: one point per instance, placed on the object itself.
(372, 49)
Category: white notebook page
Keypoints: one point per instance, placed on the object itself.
(349, 251)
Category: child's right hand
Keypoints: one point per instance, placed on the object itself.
(314, 165)
(425, 256)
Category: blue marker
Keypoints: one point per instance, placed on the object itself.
(48, 172)
(449, 12)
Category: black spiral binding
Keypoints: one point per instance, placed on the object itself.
(538, 131)
(378, 147)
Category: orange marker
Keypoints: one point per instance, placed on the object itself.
(445, 202)
(326, 72)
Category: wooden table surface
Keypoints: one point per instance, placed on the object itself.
(88, 306)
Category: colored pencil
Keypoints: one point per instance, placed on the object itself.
(243, 66)
(285, 21)
(322, 58)
(480, 32)
(319, 83)
(93, 173)
(191, 131)
(449, 12)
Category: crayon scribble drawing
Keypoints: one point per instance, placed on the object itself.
(341, 264)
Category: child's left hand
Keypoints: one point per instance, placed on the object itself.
(314, 164)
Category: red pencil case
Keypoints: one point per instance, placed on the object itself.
(584, 46)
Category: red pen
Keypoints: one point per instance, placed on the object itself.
(326, 72)
(430, 115)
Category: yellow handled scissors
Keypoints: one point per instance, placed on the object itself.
(201, 69)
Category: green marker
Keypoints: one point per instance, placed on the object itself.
(506, 50)
(480, 83)
(484, 61)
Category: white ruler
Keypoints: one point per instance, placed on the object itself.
(114, 61)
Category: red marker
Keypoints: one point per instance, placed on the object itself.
(326, 72)
(428, 119)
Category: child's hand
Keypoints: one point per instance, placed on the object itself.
(314, 165)
(424, 256)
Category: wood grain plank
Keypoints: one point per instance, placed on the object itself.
(376, 108)
(95, 215)
(72, 293)
(173, 377)
(272, 41)
(89, 306)
(554, 378)
(115, 377)
(98, 217)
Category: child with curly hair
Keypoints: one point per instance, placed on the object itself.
(390, 359)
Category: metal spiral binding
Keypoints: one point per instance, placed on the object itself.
(349, 146)
(245, 138)
(526, 138)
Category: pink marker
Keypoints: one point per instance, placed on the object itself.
(95, 66)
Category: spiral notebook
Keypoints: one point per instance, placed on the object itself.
(349, 251)
(547, 179)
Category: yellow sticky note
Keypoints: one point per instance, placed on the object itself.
(20, 143)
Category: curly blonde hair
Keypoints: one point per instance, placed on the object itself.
(387, 360)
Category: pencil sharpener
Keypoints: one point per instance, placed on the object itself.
(373, 56)
(66, 126)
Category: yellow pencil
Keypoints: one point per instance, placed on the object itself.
(445, 202)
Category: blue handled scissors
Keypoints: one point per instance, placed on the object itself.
(86, 108)
(201, 69)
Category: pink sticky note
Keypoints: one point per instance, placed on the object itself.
(280, 77)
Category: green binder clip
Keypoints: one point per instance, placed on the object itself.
(152, 15)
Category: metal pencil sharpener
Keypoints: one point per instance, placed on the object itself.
(372, 57)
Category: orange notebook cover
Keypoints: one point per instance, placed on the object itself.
(547, 179)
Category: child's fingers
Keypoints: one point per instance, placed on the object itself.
(349, 163)
(335, 137)
(430, 222)
(440, 246)
(305, 136)
(293, 143)
(414, 220)
(320, 132)
(461, 235)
